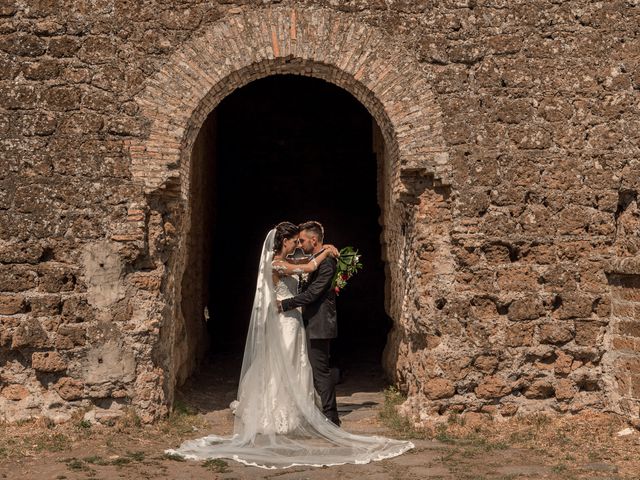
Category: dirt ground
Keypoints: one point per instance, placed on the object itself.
(584, 446)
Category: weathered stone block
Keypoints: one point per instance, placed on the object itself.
(55, 278)
(623, 383)
(497, 253)
(48, 362)
(630, 294)
(18, 96)
(589, 333)
(631, 345)
(44, 305)
(635, 386)
(565, 389)
(77, 310)
(514, 110)
(97, 49)
(493, 387)
(16, 278)
(439, 388)
(575, 305)
(486, 363)
(559, 277)
(48, 27)
(23, 44)
(14, 392)
(623, 309)
(539, 389)
(63, 46)
(11, 304)
(62, 98)
(70, 336)
(36, 124)
(20, 252)
(145, 281)
(484, 308)
(519, 335)
(69, 388)
(556, 332)
(629, 327)
(84, 122)
(518, 279)
(628, 364)
(42, 70)
(508, 409)
(602, 306)
(29, 333)
(563, 363)
(528, 308)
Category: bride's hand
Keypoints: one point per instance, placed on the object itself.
(333, 251)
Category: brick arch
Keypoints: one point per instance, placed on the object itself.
(414, 177)
(319, 43)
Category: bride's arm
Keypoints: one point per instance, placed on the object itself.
(286, 268)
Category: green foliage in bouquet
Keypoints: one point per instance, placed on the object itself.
(348, 265)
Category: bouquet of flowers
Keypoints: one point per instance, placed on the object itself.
(348, 265)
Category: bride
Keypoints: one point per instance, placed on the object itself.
(277, 420)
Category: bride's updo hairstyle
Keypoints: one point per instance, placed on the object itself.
(284, 231)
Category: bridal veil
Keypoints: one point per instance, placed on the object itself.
(267, 376)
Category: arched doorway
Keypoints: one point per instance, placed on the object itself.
(294, 148)
(177, 102)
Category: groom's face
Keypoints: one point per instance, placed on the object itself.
(307, 241)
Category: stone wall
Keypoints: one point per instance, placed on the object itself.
(509, 188)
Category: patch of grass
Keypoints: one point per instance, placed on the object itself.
(216, 465)
(560, 468)
(484, 444)
(96, 460)
(456, 419)
(540, 420)
(56, 442)
(120, 461)
(521, 437)
(594, 456)
(174, 456)
(130, 420)
(181, 408)
(442, 434)
(392, 419)
(182, 420)
(75, 464)
(84, 424)
(136, 456)
(448, 456)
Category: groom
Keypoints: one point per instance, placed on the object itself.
(318, 302)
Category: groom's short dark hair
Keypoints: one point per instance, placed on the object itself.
(314, 227)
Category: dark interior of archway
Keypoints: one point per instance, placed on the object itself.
(293, 148)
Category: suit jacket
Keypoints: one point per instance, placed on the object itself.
(318, 302)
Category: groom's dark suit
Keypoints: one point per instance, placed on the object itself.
(318, 302)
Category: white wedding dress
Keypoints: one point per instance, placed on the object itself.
(277, 420)
(279, 412)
